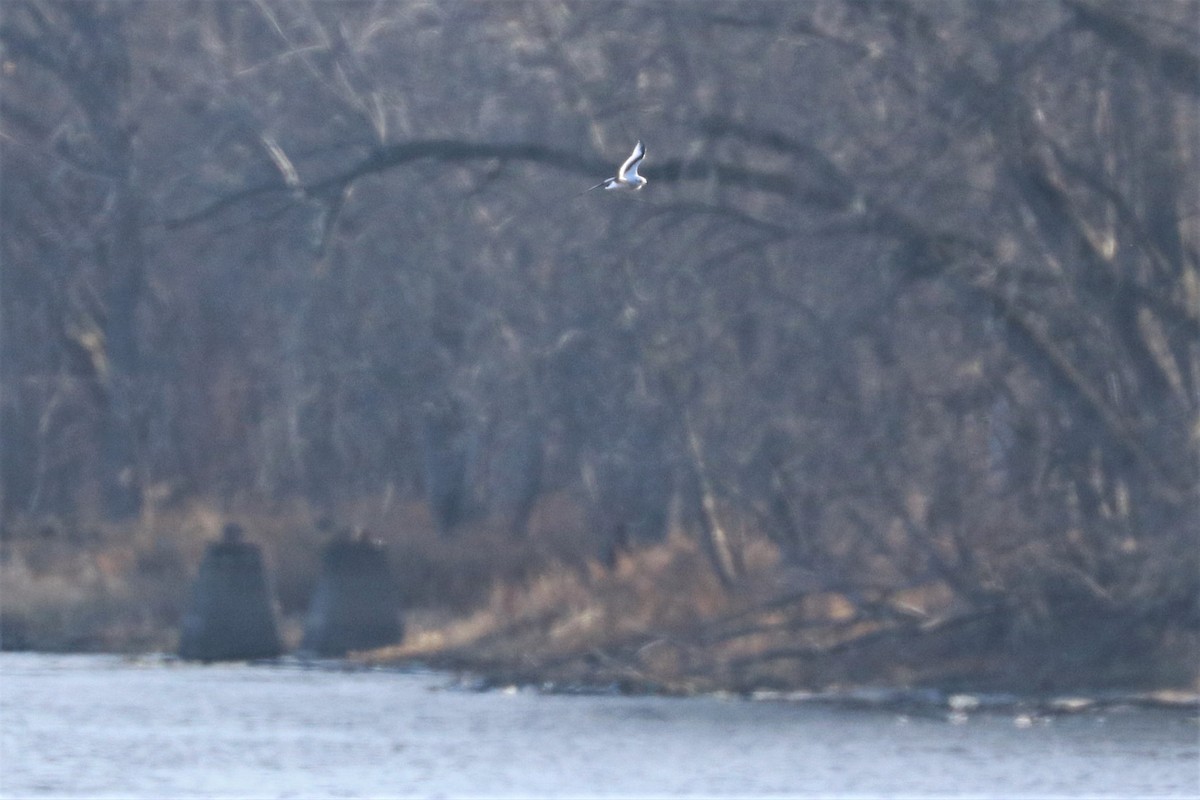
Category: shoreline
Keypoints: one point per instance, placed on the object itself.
(944, 677)
(657, 621)
(915, 700)
(951, 704)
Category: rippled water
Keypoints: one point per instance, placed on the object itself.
(91, 726)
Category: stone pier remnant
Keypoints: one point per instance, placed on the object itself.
(230, 617)
(356, 604)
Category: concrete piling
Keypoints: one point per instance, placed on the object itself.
(230, 617)
(355, 605)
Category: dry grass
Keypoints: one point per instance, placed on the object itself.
(660, 590)
(124, 587)
(108, 588)
(659, 620)
(478, 597)
(540, 607)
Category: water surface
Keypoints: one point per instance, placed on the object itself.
(104, 726)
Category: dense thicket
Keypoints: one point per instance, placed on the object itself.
(914, 289)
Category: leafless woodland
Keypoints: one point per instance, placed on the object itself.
(913, 291)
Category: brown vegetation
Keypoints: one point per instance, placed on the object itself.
(911, 302)
(661, 621)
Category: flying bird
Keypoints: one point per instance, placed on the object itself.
(627, 176)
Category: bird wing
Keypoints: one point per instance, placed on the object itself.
(630, 167)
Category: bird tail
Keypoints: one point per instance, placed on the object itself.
(602, 183)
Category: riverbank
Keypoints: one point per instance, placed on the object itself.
(659, 623)
(545, 612)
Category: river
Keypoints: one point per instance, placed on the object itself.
(107, 726)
